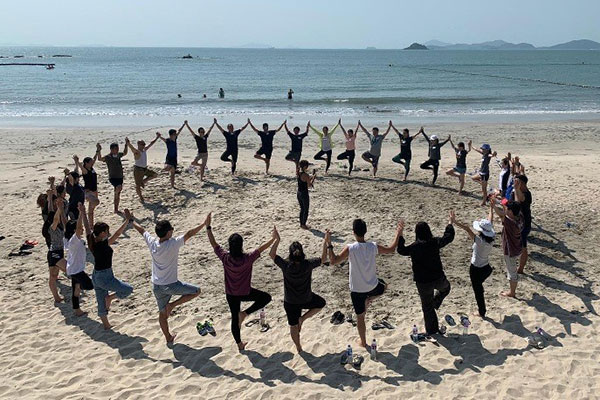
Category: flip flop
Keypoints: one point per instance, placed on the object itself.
(265, 328)
(387, 325)
(377, 326)
(337, 318)
(350, 320)
(251, 323)
(27, 242)
(357, 361)
(201, 328)
(209, 328)
(450, 320)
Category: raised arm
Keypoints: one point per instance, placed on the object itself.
(83, 216)
(158, 134)
(281, 126)
(98, 152)
(137, 226)
(312, 128)
(268, 243)
(136, 152)
(126, 147)
(326, 243)
(337, 259)
(448, 236)
(152, 142)
(418, 133)
(245, 126)
(446, 141)
(252, 126)
(121, 229)
(395, 130)
(287, 130)
(342, 128)
(188, 235)
(392, 247)
(59, 215)
(362, 128)
(462, 226)
(219, 127)
(209, 233)
(388, 129)
(453, 146)
(273, 252)
(425, 135)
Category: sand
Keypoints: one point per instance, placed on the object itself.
(49, 353)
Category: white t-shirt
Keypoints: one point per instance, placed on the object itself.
(75, 248)
(164, 258)
(481, 252)
(363, 272)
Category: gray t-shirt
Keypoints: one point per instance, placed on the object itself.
(56, 238)
(114, 165)
(376, 142)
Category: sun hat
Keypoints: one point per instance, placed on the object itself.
(486, 146)
(484, 226)
(434, 137)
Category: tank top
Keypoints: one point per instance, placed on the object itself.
(142, 162)
(302, 186)
(90, 180)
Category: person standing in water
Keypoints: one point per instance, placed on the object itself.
(141, 173)
(202, 144)
(221, 93)
(231, 137)
(164, 251)
(296, 137)
(265, 151)
(428, 272)
(405, 149)
(297, 281)
(350, 152)
(171, 159)
(365, 287)
(376, 140)
(304, 182)
(434, 153)
(461, 164)
(480, 270)
(115, 170)
(290, 94)
(99, 243)
(483, 175)
(325, 144)
(237, 266)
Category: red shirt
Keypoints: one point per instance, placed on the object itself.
(511, 236)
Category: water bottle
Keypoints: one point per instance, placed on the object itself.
(464, 320)
(349, 353)
(542, 333)
(374, 350)
(415, 334)
(263, 317)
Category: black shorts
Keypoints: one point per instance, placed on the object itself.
(359, 299)
(83, 280)
(172, 161)
(484, 177)
(294, 311)
(265, 151)
(293, 156)
(116, 181)
(55, 256)
(374, 159)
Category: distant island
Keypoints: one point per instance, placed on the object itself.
(416, 46)
(582, 44)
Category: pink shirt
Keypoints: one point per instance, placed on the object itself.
(238, 272)
(350, 142)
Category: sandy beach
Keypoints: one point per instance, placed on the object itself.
(49, 353)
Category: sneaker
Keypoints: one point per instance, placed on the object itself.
(208, 326)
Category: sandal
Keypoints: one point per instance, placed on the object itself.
(265, 328)
(201, 328)
(377, 326)
(208, 326)
(337, 318)
(387, 325)
(450, 320)
(251, 322)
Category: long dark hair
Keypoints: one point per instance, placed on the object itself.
(296, 253)
(423, 232)
(236, 246)
(99, 227)
(70, 229)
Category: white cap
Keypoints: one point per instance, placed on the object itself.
(484, 226)
(434, 137)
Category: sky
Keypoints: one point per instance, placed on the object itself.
(287, 23)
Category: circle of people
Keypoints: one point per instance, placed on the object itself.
(68, 222)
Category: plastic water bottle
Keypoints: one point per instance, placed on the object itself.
(464, 320)
(374, 350)
(349, 353)
(542, 333)
(263, 317)
(415, 334)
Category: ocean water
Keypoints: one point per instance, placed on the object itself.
(104, 84)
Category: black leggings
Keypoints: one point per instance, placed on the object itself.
(232, 160)
(85, 283)
(348, 155)
(406, 163)
(304, 201)
(434, 165)
(260, 300)
(478, 276)
(319, 156)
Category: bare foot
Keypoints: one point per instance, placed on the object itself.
(477, 315)
(80, 313)
(361, 343)
(107, 327)
(59, 299)
(242, 346)
(305, 227)
(507, 294)
(299, 349)
(520, 271)
(171, 338)
(242, 316)
(119, 212)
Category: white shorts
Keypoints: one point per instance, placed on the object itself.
(512, 263)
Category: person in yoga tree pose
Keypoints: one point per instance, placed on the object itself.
(435, 154)
(350, 152)
(265, 151)
(403, 158)
(237, 266)
(325, 144)
(305, 181)
(483, 175)
(202, 144)
(461, 164)
(141, 173)
(376, 140)
(296, 137)
(231, 137)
